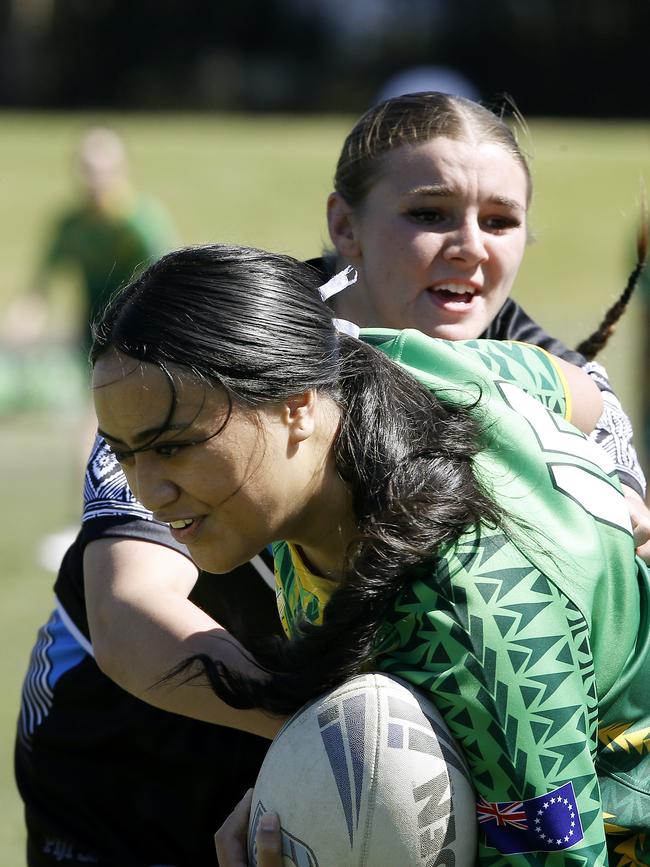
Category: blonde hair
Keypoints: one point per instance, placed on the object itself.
(414, 119)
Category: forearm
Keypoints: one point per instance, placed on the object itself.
(142, 626)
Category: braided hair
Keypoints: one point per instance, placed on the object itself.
(591, 346)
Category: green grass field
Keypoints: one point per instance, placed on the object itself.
(263, 181)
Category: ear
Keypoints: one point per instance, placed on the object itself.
(299, 415)
(342, 227)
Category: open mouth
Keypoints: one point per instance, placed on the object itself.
(185, 529)
(180, 525)
(453, 293)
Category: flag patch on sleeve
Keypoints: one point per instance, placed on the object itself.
(548, 823)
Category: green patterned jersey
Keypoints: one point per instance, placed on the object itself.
(533, 641)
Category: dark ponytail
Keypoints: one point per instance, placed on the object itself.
(590, 347)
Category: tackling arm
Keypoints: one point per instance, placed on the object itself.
(142, 625)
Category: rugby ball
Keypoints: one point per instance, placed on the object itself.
(368, 774)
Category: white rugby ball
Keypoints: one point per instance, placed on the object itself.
(368, 774)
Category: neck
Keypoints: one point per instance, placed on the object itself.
(354, 305)
(116, 199)
(334, 528)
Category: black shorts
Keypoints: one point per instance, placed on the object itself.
(108, 780)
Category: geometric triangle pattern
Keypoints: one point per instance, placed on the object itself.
(513, 698)
(503, 633)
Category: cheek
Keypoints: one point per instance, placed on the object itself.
(247, 467)
(507, 260)
(129, 474)
(414, 265)
(383, 239)
(424, 247)
(401, 256)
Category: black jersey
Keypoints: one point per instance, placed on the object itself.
(106, 778)
(513, 323)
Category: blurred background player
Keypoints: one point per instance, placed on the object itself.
(82, 741)
(104, 238)
(100, 241)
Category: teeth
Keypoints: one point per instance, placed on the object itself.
(455, 288)
(179, 525)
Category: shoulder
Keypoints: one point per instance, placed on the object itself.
(513, 323)
(150, 217)
(110, 508)
(473, 368)
(147, 208)
(68, 222)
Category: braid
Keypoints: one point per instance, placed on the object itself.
(407, 457)
(596, 341)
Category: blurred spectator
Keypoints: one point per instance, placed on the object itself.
(110, 233)
(100, 241)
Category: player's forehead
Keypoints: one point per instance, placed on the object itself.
(448, 167)
(135, 400)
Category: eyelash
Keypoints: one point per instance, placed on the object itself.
(431, 216)
(166, 450)
(425, 215)
(503, 223)
(120, 457)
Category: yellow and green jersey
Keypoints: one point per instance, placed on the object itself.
(532, 641)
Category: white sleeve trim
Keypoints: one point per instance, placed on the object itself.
(263, 571)
(72, 629)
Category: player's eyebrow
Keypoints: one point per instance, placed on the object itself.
(144, 436)
(432, 190)
(444, 191)
(507, 202)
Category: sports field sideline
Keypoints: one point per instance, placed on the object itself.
(263, 181)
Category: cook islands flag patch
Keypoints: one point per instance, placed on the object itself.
(548, 823)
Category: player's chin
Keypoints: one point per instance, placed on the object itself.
(469, 329)
(218, 558)
(460, 326)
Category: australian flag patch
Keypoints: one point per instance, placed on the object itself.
(547, 823)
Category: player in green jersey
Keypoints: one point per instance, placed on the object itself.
(442, 520)
(101, 240)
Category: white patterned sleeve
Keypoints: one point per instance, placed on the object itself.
(106, 492)
(614, 434)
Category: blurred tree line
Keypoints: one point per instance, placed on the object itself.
(556, 57)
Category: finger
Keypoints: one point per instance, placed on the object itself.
(641, 534)
(643, 551)
(230, 839)
(269, 841)
(640, 516)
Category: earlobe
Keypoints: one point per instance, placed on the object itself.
(342, 229)
(299, 416)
